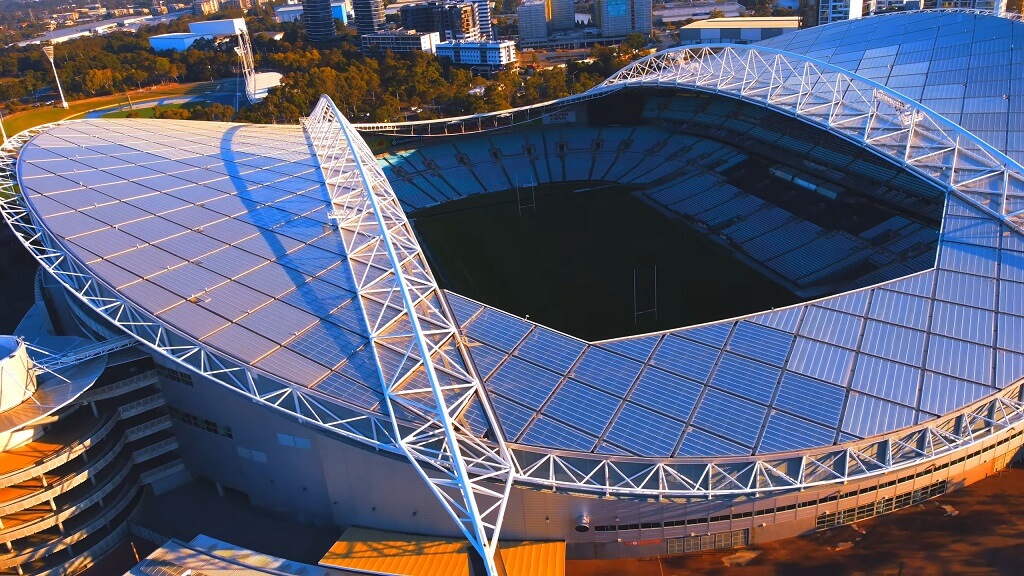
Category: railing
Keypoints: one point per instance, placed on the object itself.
(140, 406)
(121, 386)
(154, 450)
(121, 501)
(150, 476)
(89, 557)
(58, 458)
(89, 351)
(62, 485)
(161, 423)
(59, 516)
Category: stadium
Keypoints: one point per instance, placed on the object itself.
(263, 292)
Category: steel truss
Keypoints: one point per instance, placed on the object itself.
(851, 106)
(370, 429)
(476, 122)
(706, 477)
(449, 433)
(977, 11)
(244, 51)
(86, 352)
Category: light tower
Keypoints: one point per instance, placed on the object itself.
(48, 50)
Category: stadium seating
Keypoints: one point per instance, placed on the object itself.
(682, 175)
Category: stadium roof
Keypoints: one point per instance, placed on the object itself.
(959, 64)
(218, 230)
(846, 367)
(221, 232)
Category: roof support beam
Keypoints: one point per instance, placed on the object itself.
(439, 410)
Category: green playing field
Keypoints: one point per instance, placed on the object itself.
(576, 263)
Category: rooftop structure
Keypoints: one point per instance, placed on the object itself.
(738, 30)
(293, 12)
(399, 41)
(176, 41)
(453, 21)
(206, 555)
(486, 55)
(318, 20)
(677, 13)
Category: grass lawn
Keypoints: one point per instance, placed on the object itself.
(24, 120)
(141, 112)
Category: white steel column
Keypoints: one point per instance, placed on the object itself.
(438, 408)
(246, 61)
(48, 50)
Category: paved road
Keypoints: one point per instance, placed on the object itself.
(224, 93)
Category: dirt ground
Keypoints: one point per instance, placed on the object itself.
(986, 536)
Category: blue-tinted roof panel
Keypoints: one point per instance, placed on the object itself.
(666, 392)
(729, 416)
(686, 358)
(583, 406)
(747, 378)
(810, 398)
(607, 371)
(523, 382)
(785, 432)
(765, 344)
(551, 349)
(643, 432)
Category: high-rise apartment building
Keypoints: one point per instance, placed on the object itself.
(561, 15)
(205, 7)
(317, 20)
(483, 15)
(369, 15)
(453, 21)
(532, 16)
(622, 17)
(836, 10)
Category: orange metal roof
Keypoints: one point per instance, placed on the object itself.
(379, 552)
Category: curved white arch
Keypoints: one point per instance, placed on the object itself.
(844, 103)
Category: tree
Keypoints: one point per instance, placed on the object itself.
(634, 42)
(214, 111)
(96, 81)
(171, 113)
(716, 13)
(388, 108)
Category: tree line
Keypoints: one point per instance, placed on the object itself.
(374, 87)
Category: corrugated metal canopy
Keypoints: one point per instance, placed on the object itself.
(378, 552)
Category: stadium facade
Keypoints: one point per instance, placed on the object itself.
(268, 278)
